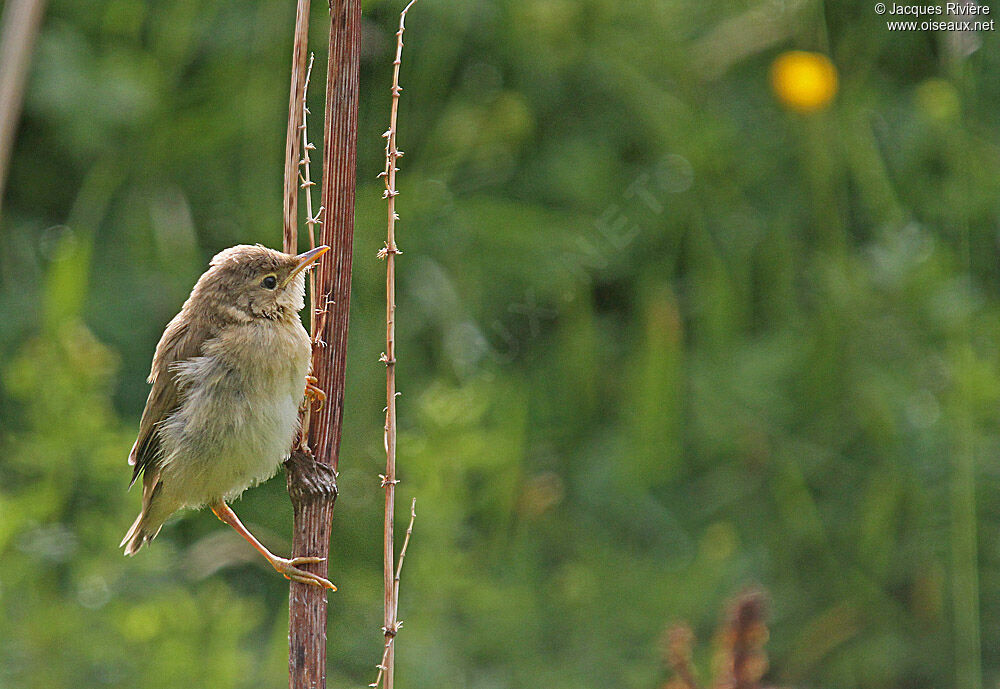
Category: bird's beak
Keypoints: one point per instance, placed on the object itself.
(305, 260)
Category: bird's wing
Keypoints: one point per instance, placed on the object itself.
(180, 342)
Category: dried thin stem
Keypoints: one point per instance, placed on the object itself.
(305, 178)
(390, 635)
(306, 184)
(389, 252)
(295, 105)
(18, 31)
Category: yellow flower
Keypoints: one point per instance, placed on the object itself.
(804, 82)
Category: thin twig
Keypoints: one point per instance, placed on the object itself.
(18, 31)
(389, 252)
(389, 637)
(305, 180)
(306, 184)
(295, 105)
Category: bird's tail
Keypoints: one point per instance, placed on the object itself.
(148, 523)
(139, 534)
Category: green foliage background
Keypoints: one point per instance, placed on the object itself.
(659, 340)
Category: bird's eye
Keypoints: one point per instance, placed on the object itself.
(270, 282)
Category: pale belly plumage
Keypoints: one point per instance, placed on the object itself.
(235, 425)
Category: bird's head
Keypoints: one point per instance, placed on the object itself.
(246, 282)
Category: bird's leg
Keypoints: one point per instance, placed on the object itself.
(314, 393)
(285, 566)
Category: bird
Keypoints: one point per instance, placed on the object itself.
(228, 378)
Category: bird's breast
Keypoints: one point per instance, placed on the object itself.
(240, 409)
(265, 355)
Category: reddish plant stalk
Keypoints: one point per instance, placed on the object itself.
(312, 477)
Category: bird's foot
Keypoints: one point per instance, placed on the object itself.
(314, 394)
(288, 569)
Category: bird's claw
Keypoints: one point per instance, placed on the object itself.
(287, 568)
(314, 394)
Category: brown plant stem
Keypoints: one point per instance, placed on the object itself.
(389, 638)
(390, 619)
(300, 47)
(306, 184)
(18, 31)
(312, 478)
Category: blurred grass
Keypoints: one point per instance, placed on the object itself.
(659, 338)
